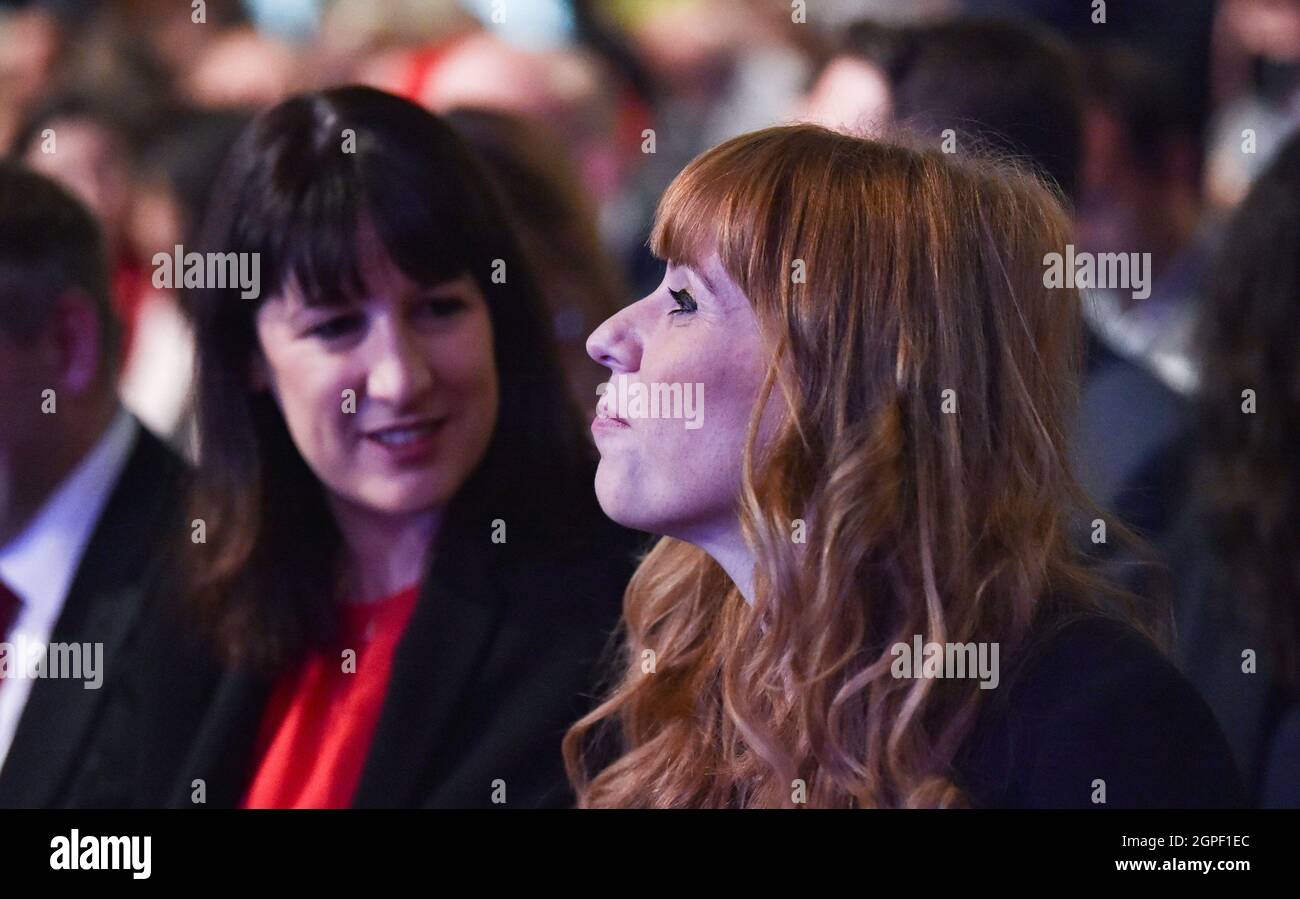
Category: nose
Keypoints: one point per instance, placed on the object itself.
(614, 344)
(400, 371)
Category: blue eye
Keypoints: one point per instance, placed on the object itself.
(685, 302)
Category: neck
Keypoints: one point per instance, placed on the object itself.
(729, 549)
(386, 553)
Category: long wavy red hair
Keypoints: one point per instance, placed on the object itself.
(882, 276)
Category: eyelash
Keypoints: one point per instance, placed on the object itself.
(334, 327)
(685, 302)
(443, 307)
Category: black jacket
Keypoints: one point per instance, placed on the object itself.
(62, 721)
(504, 651)
(1093, 701)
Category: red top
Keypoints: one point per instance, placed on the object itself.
(317, 729)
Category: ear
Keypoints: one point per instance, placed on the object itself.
(77, 343)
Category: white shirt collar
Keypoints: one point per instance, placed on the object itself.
(1155, 334)
(40, 563)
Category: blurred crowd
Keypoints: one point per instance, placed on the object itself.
(1155, 120)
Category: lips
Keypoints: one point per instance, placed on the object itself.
(608, 421)
(604, 418)
(407, 441)
(404, 432)
(400, 436)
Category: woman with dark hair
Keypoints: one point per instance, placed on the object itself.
(395, 553)
(866, 594)
(1238, 550)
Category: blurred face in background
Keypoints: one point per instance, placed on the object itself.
(38, 445)
(23, 375)
(419, 362)
(850, 95)
(90, 162)
(574, 93)
(655, 474)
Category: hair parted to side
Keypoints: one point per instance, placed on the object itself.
(924, 273)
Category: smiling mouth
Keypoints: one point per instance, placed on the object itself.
(404, 435)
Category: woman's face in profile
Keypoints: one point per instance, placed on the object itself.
(391, 399)
(674, 467)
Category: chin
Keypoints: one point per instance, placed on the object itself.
(404, 499)
(628, 507)
(614, 502)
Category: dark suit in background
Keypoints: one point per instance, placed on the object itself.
(62, 725)
(1215, 628)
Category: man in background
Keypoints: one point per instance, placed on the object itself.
(88, 498)
(1019, 90)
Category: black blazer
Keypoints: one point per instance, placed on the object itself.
(62, 721)
(1094, 700)
(1215, 625)
(504, 651)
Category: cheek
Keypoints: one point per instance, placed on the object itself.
(24, 423)
(464, 366)
(666, 477)
(309, 391)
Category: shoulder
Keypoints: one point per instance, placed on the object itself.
(1094, 708)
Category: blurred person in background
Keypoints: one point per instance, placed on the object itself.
(1147, 68)
(30, 43)
(1256, 88)
(1237, 551)
(574, 93)
(851, 92)
(557, 228)
(1016, 89)
(82, 142)
(177, 34)
(389, 44)
(173, 186)
(719, 69)
(89, 499)
(243, 68)
(569, 91)
(391, 471)
(1140, 192)
(1176, 31)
